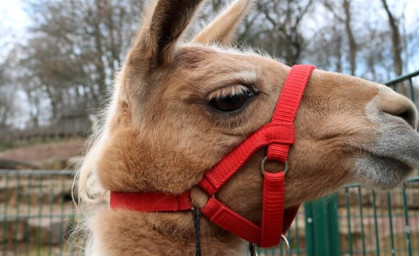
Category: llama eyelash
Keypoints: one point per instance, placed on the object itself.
(231, 90)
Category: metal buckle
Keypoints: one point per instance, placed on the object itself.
(286, 245)
(262, 166)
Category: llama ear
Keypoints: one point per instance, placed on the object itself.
(157, 40)
(223, 28)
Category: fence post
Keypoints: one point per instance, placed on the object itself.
(322, 232)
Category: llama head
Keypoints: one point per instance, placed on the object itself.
(179, 107)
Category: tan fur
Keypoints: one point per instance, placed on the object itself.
(162, 135)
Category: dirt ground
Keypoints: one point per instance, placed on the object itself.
(37, 154)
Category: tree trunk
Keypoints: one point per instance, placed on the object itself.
(99, 64)
(352, 43)
(395, 38)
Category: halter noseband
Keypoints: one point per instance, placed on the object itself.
(278, 136)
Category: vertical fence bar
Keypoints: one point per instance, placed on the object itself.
(28, 213)
(38, 231)
(332, 210)
(51, 201)
(62, 195)
(406, 222)
(390, 220)
(310, 242)
(17, 220)
(383, 227)
(361, 215)
(5, 209)
(348, 219)
(377, 238)
(297, 236)
(322, 234)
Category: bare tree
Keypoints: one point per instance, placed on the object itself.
(279, 30)
(8, 93)
(346, 19)
(351, 38)
(395, 38)
(73, 48)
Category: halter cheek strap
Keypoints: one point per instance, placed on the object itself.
(278, 136)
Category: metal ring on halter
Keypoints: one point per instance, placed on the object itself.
(262, 166)
(286, 245)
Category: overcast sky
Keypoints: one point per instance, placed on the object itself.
(14, 20)
(13, 16)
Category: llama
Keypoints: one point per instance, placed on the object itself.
(179, 107)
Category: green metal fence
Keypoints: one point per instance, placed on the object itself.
(36, 212)
(404, 84)
(358, 221)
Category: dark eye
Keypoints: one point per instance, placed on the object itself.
(232, 102)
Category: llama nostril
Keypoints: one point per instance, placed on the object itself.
(409, 116)
(397, 105)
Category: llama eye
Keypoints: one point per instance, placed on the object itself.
(232, 102)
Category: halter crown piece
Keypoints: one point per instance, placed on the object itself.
(278, 136)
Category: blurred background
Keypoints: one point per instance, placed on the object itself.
(58, 60)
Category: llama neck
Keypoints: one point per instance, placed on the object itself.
(123, 232)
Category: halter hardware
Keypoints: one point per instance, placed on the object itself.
(262, 166)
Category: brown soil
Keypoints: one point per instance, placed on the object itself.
(38, 154)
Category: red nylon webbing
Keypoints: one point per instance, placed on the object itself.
(274, 183)
(271, 133)
(287, 105)
(233, 222)
(150, 202)
(273, 208)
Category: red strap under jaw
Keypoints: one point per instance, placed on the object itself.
(231, 221)
(150, 202)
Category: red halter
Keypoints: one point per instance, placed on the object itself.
(278, 135)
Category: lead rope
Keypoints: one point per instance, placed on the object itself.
(197, 224)
(252, 249)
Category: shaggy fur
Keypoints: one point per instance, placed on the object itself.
(162, 134)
